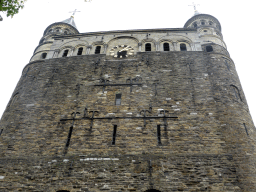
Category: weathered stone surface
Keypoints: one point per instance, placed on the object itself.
(183, 123)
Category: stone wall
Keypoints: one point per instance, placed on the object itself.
(208, 147)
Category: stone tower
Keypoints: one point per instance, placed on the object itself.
(134, 110)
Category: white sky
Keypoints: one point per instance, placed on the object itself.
(20, 35)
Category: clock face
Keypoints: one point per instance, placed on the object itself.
(122, 51)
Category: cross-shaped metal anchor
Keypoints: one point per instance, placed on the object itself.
(92, 117)
(130, 81)
(70, 132)
(96, 64)
(144, 111)
(165, 122)
(105, 81)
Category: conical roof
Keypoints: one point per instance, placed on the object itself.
(70, 21)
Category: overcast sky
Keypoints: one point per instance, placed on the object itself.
(20, 35)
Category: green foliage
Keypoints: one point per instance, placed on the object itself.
(11, 7)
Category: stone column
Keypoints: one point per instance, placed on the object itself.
(72, 51)
(139, 44)
(105, 48)
(157, 46)
(89, 47)
(175, 46)
(56, 53)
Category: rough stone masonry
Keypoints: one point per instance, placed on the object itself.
(147, 121)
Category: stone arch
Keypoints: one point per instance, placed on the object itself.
(176, 41)
(96, 45)
(69, 48)
(73, 43)
(76, 48)
(127, 41)
(188, 47)
(151, 41)
(162, 41)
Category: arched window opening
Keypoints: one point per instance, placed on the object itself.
(152, 190)
(44, 55)
(166, 47)
(65, 53)
(209, 48)
(202, 23)
(183, 47)
(195, 25)
(236, 92)
(148, 47)
(97, 50)
(210, 23)
(80, 51)
(205, 30)
(65, 32)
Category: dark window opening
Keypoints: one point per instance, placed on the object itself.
(203, 23)
(148, 47)
(183, 47)
(209, 48)
(97, 50)
(65, 32)
(114, 135)
(65, 53)
(118, 99)
(44, 55)
(159, 135)
(195, 25)
(121, 54)
(57, 30)
(63, 191)
(80, 51)
(246, 129)
(1, 131)
(210, 23)
(166, 47)
(205, 30)
(152, 190)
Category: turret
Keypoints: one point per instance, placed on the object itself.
(66, 27)
(208, 29)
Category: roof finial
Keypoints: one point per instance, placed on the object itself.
(194, 5)
(74, 12)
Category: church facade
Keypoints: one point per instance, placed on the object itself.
(135, 110)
